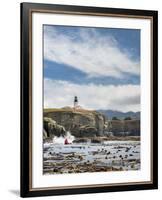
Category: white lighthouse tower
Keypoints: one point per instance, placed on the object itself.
(75, 102)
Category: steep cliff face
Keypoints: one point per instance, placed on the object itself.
(81, 123)
(52, 128)
(85, 123)
(124, 127)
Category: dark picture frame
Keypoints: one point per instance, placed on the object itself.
(26, 98)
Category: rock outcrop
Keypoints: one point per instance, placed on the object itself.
(52, 128)
(124, 127)
(85, 123)
(81, 123)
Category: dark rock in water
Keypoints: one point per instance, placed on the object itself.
(127, 149)
(80, 140)
(80, 157)
(132, 165)
(51, 128)
(135, 151)
(95, 140)
(55, 170)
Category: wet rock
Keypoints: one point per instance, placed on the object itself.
(132, 165)
(55, 170)
(80, 157)
(45, 135)
(95, 140)
(135, 151)
(119, 147)
(51, 128)
(94, 153)
(80, 140)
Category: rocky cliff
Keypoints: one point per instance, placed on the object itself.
(86, 123)
(52, 128)
(81, 123)
(124, 127)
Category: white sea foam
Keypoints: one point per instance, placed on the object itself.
(61, 139)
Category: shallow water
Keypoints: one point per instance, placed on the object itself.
(89, 157)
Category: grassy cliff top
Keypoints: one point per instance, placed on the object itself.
(68, 109)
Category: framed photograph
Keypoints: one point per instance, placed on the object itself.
(88, 99)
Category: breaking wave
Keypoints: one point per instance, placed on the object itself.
(61, 139)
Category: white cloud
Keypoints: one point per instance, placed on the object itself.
(59, 94)
(89, 52)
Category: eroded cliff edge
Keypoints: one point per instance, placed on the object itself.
(86, 123)
(81, 123)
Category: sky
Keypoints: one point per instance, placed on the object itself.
(99, 65)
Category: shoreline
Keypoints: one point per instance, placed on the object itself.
(98, 139)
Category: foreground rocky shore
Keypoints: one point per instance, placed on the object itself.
(79, 158)
(97, 144)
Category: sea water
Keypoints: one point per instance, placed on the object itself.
(87, 157)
